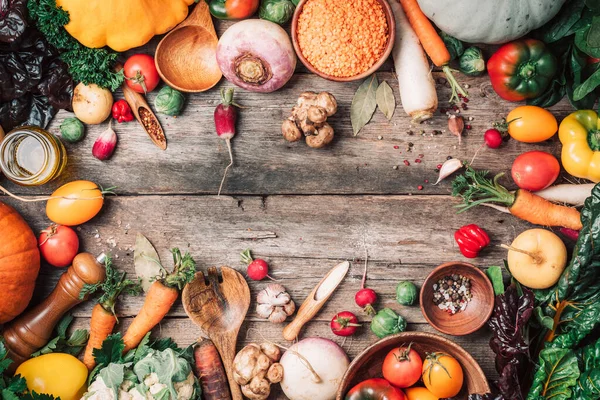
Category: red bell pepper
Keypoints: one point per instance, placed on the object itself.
(121, 111)
(375, 389)
(471, 239)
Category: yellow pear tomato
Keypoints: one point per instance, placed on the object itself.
(531, 124)
(419, 393)
(75, 203)
(58, 374)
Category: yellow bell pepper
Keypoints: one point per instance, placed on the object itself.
(579, 134)
(58, 374)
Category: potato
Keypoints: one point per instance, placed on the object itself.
(537, 258)
(92, 104)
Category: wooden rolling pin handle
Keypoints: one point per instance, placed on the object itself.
(32, 330)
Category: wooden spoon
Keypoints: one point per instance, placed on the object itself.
(219, 310)
(186, 57)
(315, 300)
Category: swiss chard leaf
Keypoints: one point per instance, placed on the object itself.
(556, 375)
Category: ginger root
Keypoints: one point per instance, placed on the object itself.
(255, 368)
(309, 117)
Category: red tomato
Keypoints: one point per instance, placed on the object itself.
(535, 170)
(402, 367)
(141, 73)
(59, 245)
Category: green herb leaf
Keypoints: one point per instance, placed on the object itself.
(495, 275)
(364, 104)
(543, 320)
(555, 376)
(63, 325)
(111, 350)
(386, 100)
(7, 394)
(593, 36)
(17, 384)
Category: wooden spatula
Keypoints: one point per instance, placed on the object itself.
(219, 308)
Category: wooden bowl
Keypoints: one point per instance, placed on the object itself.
(478, 310)
(389, 16)
(368, 363)
(186, 58)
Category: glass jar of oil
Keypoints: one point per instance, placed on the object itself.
(30, 156)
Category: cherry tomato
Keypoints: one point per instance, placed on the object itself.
(442, 375)
(535, 170)
(531, 124)
(419, 393)
(141, 73)
(59, 245)
(344, 323)
(75, 203)
(402, 367)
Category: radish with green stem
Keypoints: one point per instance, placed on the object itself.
(225, 119)
(258, 269)
(366, 297)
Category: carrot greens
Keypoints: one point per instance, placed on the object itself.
(475, 188)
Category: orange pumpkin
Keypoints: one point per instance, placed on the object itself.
(19, 263)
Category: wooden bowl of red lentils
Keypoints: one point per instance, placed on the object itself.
(343, 40)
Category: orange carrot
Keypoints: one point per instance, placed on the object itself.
(534, 209)
(103, 314)
(101, 325)
(432, 43)
(160, 298)
(210, 372)
(475, 188)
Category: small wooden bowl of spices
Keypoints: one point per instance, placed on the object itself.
(457, 298)
(343, 40)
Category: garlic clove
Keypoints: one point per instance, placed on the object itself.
(264, 310)
(289, 308)
(278, 315)
(105, 144)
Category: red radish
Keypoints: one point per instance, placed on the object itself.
(365, 297)
(493, 138)
(344, 323)
(570, 233)
(258, 269)
(225, 118)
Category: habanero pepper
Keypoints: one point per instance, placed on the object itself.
(579, 134)
(471, 239)
(522, 69)
(121, 111)
(375, 389)
(233, 9)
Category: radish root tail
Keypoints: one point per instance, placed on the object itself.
(226, 168)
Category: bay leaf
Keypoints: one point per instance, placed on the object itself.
(146, 261)
(386, 100)
(364, 104)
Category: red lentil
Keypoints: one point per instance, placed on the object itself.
(342, 38)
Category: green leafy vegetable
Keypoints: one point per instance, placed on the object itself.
(169, 101)
(72, 130)
(387, 322)
(364, 104)
(455, 47)
(557, 374)
(114, 285)
(472, 62)
(73, 345)
(85, 65)
(495, 275)
(386, 100)
(113, 376)
(278, 11)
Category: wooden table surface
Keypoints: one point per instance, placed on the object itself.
(302, 209)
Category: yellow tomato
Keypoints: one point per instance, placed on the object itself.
(442, 375)
(58, 374)
(531, 124)
(75, 203)
(419, 393)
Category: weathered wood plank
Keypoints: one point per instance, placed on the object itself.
(266, 164)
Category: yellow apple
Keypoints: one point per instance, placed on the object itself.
(537, 258)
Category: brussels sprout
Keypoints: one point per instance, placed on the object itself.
(278, 11)
(387, 322)
(472, 62)
(169, 101)
(406, 293)
(72, 130)
(454, 46)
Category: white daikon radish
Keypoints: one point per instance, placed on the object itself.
(571, 194)
(417, 87)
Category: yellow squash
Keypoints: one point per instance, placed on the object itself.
(579, 134)
(122, 24)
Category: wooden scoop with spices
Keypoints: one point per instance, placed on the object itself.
(142, 112)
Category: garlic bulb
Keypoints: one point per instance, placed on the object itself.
(274, 303)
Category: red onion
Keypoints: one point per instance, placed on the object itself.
(256, 55)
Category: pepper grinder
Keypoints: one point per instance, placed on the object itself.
(32, 330)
